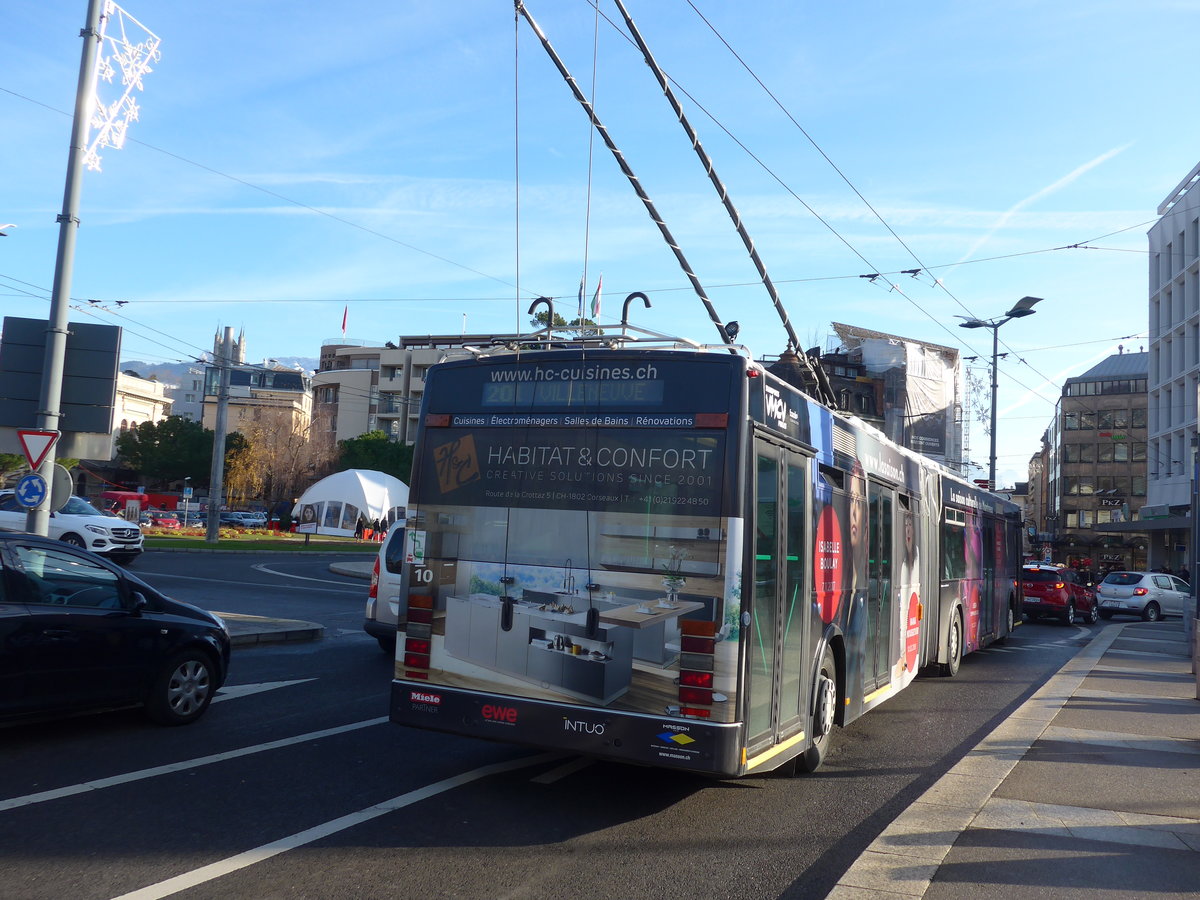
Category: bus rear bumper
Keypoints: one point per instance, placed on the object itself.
(687, 744)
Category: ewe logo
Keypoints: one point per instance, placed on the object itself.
(775, 406)
(502, 715)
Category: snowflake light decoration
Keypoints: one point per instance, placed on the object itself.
(131, 55)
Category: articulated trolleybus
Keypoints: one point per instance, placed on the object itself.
(659, 553)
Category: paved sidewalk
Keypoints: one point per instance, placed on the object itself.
(1091, 788)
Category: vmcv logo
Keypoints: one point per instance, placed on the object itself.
(776, 406)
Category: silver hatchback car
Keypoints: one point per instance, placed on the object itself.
(1150, 595)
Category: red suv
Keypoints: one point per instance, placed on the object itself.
(1050, 591)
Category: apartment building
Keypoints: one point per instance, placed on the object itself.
(1174, 369)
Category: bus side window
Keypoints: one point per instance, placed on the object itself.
(954, 549)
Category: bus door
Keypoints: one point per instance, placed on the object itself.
(987, 564)
(878, 652)
(777, 663)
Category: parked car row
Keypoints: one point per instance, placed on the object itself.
(1061, 594)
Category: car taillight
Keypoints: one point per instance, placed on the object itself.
(1140, 592)
(373, 591)
(1059, 585)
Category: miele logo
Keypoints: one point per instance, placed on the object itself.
(585, 727)
(422, 697)
(776, 406)
(506, 715)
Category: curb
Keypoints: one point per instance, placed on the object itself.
(904, 859)
(251, 630)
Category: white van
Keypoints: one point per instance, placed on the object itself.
(383, 597)
(82, 525)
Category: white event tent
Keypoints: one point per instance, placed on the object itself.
(334, 505)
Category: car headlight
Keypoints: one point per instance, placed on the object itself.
(97, 529)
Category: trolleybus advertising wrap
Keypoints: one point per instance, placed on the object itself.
(661, 556)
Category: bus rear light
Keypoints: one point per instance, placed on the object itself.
(420, 601)
(416, 660)
(693, 711)
(416, 645)
(416, 614)
(690, 644)
(695, 695)
(1140, 592)
(409, 673)
(711, 420)
(437, 420)
(696, 679)
(698, 628)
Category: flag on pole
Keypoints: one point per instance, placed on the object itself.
(345, 313)
(580, 313)
(596, 299)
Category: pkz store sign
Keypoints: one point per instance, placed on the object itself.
(1111, 558)
(1116, 502)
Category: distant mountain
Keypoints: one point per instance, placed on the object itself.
(175, 373)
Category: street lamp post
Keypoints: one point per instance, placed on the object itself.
(1023, 307)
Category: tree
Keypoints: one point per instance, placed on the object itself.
(278, 456)
(375, 451)
(585, 326)
(10, 464)
(170, 450)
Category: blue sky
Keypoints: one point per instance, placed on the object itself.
(294, 160)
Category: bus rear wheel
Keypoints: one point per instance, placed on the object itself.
(953, 646)
(824, 709)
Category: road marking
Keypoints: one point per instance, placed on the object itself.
(230, 692)
(567, 768)
(263, 567)
(291, 587)
(317, 832)
(141, 774)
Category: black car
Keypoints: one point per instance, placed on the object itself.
(78, 633)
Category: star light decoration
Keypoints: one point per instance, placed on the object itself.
(132, 55)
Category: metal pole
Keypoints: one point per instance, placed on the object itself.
(50, 405)
(995, 359)
(216, 478)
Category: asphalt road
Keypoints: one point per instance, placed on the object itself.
(295, 785)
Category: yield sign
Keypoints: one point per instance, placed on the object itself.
(36, 445)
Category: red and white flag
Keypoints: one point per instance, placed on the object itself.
(345, 313)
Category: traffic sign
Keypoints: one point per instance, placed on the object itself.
(31, 490)
(36, 445)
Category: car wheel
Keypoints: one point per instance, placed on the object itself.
(1069, 616)
(74, 540)
(823, 713)
(1151, 613)
(953, 647)
(183, 689)
(1093, 615)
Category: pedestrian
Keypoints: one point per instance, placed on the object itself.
(358, 528)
